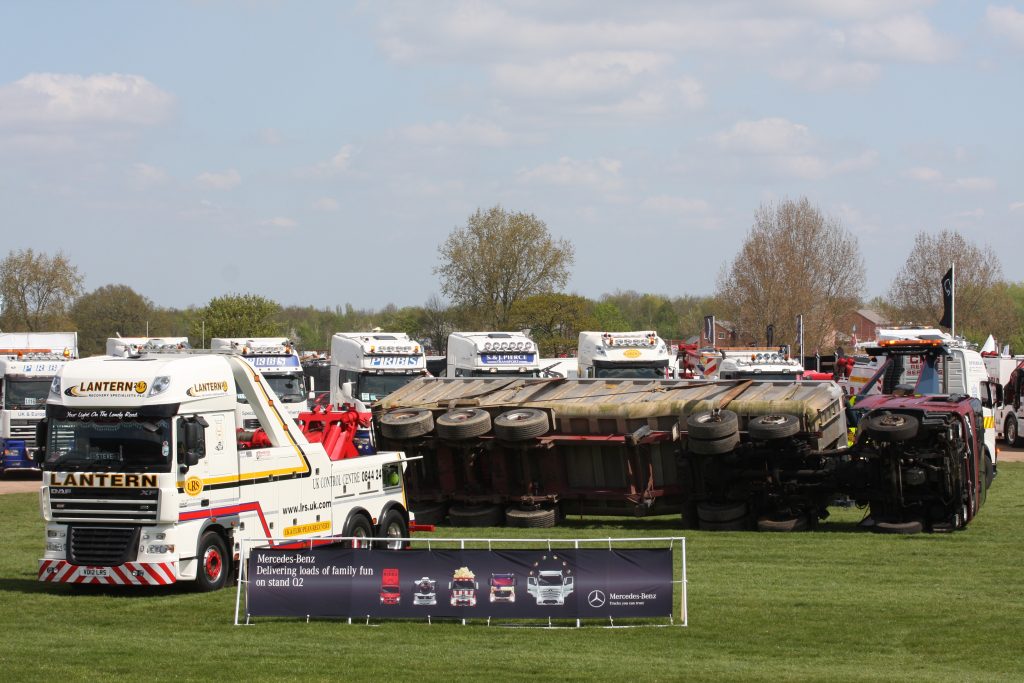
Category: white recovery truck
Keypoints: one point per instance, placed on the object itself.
(146, 483)
(642, 355)
(761, 364)
(1008, 372)
(489, 354)
(28, 362)
(367, 366)
(276, 359)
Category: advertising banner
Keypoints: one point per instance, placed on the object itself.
(333, 581)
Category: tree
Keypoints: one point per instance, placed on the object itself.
(36, 291)
(983, 304)
(499, 258)
(554, 320)
(109, 311)
(795, 260)
(237, 315)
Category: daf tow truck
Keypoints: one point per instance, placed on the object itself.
(148, 480)
(28, 362)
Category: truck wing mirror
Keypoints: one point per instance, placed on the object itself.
(42, 430)
(194, 441)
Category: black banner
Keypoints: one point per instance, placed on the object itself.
(333, 581)
(947, 298)
(709, 329)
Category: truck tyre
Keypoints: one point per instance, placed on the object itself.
(521, 424)
(392, 526)
(706, 425)
(891, 426)
(911, 527)
(212, 573)
(768, 427)
(533, 519)
(713, 446)
(406, 423)
(459, 424)
(430, 513)
(990, 470)
(476, 515)
(360, 528)
(1011, 432)
(721, 512)
(782, 524)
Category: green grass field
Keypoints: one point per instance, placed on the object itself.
(834, 604)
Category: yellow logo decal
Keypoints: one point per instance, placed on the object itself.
(631, 353)
(140, 387)
(193, 486)
(303, 529)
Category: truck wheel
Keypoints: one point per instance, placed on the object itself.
(359, 527)
(768, 427)
(891, 426)
(392, 527)
(476, 515)
(713, 446)
(463, 423)
(911, 527)
(1011, 432)
(706, 425)
(430, 513)
(990, 470)
(406, 423)
(533, 519)
(521, 424)
(721, 512)
(782, 524)
(212, 573)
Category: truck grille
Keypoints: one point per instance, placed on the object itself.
(102, 546)
(25, 430)
(73, 504)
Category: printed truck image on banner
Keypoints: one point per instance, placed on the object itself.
(332, 581)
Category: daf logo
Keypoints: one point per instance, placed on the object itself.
(596, 598)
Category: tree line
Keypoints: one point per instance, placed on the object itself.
(795, 260)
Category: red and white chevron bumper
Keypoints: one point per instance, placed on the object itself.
(127, 574)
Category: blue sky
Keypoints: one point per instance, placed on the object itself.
(319, 152)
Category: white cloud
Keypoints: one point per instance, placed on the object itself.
(823, 75)
(973, 184)
(1006, 21)
(41, 99)
(906, 38)
(1016, 206)
(326, 204)
(973, 213)
(280, 223)
(671, 204)
(225, 180)
(466, 132)
(339, 162)
(923, 174)
(146, 175)
(766, 136)
(863, 161)
(580, 73)
(270, 137)
(601, 173)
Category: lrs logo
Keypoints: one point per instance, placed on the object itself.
(193, 486)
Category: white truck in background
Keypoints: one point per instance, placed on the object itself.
(133, 346)
(28, 363)
(641, 355)
(277, 360)
(145, 482)
(490, 354)
(1008, 372)
(366, 366)
(763, 364)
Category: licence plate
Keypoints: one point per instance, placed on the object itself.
(96, 571)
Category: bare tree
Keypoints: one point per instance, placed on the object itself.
(37, 291)
(794, 261)
(499, 258)
(983, 305)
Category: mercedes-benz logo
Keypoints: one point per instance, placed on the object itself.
(596, 598)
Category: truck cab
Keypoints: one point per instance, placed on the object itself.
(641, 355)
(390, 587)
(276, 359)
(489, 354)
(367, 366)
(28, 363)
(503, 587)
(760, 363)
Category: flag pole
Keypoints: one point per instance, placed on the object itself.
(952, 307)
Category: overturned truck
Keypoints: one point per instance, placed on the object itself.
(725, 455)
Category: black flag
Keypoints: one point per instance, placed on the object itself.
(947, 298)
(709, 329)
(769, 335)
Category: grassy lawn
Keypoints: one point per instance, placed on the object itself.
(834, 604)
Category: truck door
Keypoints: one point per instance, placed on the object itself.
(217, 472)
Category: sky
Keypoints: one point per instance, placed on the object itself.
(319, 153)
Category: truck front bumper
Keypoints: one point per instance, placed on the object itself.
(127, 574)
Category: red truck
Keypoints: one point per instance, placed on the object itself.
(390, 592)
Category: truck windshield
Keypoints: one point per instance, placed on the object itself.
(26, 394)
(630, 373)
(463, 584)
(289, 388)
(374, 387)
(503, 373)
(106, 445)
(761, 376)
(553, 579)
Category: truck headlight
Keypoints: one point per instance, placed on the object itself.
(55, 546)
(56, 533)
